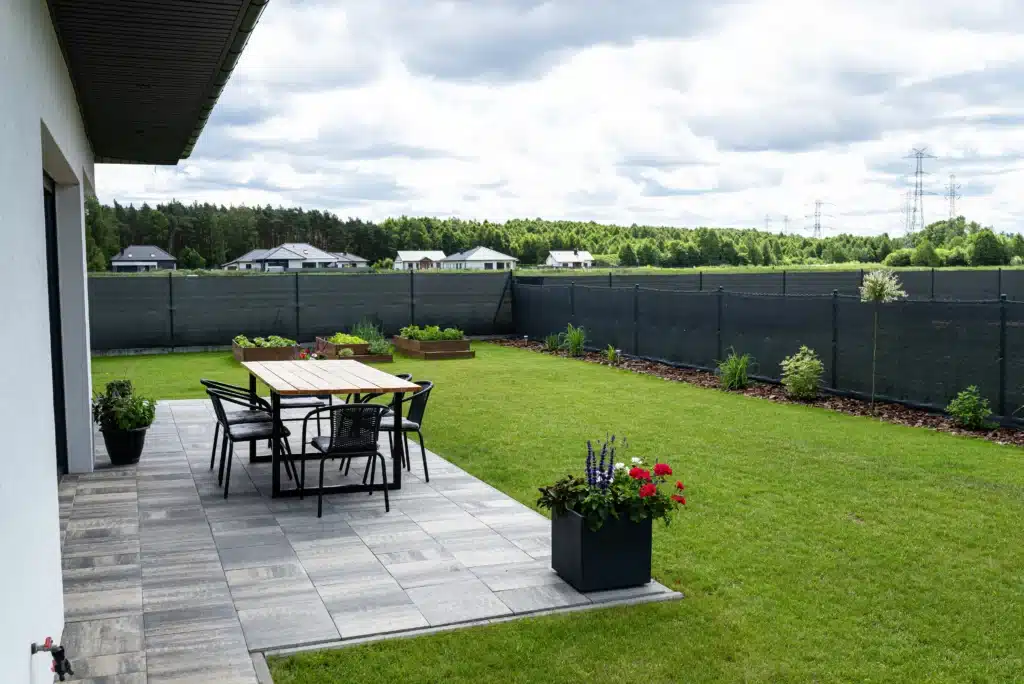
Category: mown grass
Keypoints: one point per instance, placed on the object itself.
(815, 547)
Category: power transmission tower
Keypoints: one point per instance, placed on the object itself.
(919, 155)
(952, 194)
(768, 223)
(785, 224)
(817, 216)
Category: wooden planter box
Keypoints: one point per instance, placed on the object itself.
(435, 349)
(264, 353)
(616, 556)
(330, 349)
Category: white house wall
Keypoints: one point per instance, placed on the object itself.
(38, 110)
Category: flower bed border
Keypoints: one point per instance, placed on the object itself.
(243, 354)
(889, 412)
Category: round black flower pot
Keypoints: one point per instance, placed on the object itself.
(124, 446)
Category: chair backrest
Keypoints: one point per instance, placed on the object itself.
(236, 394)
(371, 397)
(355, 427)
(216, 398)
(418, 401)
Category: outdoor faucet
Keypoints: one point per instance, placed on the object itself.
(61, 666)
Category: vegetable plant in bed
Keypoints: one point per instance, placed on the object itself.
(123, 417)
(332, 346)
(271, 348)
(432, 342)
(601, 523)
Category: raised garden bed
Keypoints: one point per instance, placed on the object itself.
(264, 353)
(434, 349)
(333, 351)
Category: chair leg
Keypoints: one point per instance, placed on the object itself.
(423, 452)
(289, 467)
(373, 474)
(320, 491)
(384, 469)
(213, 451)
(223, 457)
(227, 475)
(405, 454)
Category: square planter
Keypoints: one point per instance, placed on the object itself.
(264, 353)
(330, 349)
(616, 556)
(434, 349)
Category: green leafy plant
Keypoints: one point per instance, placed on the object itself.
(733, 372)
(801, 374)
(343, 338)
(271, 341)
(430, 333)
(367, 330)
(345, 353)
(380, 346)
(879, 287)
(572, 340)
(612, 355)
(552, 342)
(970, 409)
(119, 408)
(610, 489)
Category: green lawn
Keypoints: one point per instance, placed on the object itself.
(815, 547)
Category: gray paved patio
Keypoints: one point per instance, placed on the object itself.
(166, 581)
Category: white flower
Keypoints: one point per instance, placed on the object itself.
(620, 466)
(636, 460)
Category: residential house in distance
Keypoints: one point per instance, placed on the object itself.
(479, 259)
(136, 258)
(575, 258)
(293, 256)
(418, 260)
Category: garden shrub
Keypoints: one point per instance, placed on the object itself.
(901, 257)
(969, 409)
(612, 355)
(573, 339)
(552, 342)
(733, 372)
(801, 374)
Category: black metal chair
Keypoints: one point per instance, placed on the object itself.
(355, 430)
(257, 411)
(366, 398)
(413, 422)
(242, 432)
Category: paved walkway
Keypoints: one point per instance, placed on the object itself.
(166, 581)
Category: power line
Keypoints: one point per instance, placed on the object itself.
(952, 194)
(917, 212)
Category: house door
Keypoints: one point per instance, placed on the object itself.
(56, 343)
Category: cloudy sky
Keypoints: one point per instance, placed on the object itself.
(703, 112)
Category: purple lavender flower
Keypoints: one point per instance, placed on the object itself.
(591, 480)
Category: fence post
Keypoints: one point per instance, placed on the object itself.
(861, 278)
(835, 339)
(572, 300)
(170, 304)
(297, 321)
(609, 278)
(783, 281)
(636, 320)
(412, 297)
(700, 281)
(999, 281)
(718, 333)
(932, 296)
(1002, 355)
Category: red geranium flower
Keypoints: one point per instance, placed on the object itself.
(639, 473)
(661, 469)
(679, 486)
(649, 489)
(681, 500)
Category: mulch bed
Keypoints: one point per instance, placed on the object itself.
(888, 412)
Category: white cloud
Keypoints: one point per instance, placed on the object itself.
(715, 115)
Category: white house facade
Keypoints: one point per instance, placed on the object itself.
(293, 256)
(69, 97)
(479, 259)
(418, 260)
(572, 258)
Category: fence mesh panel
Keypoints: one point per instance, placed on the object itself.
(331, 304)
(766, 283)
(678, 327)
(132, 317)
(811, 282)
(607, 316)
(466, 301)
(211, 310)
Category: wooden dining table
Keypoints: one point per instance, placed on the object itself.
(315, 378)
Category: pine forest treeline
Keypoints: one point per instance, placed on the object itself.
(207, 235)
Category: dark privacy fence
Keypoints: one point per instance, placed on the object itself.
(926, 284)
(132, 312)
(927, 350)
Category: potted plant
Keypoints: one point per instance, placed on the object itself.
(601, 524)
(432, 342)
(123, 417)
(271, 348)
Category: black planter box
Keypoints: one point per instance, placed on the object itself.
(616, 556)
(124, 446)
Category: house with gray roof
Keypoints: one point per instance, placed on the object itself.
(479, 259)
(136, 258)
(293, 256)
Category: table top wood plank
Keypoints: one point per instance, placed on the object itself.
(298, 378)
